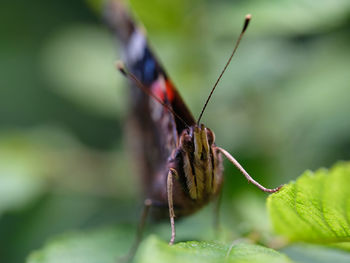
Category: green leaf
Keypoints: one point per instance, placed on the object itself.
(110, 244)
(98, 246)
(309, 253)
(154, 250)
(315, 208)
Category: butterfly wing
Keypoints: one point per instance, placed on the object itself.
(155, 131)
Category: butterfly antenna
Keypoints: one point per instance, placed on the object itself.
(245, 25)
(139, 84)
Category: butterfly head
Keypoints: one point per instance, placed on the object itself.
(197, 138)
(201, 162)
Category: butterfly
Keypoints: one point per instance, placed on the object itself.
(181, 166)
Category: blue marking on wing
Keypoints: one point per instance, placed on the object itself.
(150, 67)
(146, 69)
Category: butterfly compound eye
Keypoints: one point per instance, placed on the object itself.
(211, 136)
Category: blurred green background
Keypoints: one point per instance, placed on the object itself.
(281, 108)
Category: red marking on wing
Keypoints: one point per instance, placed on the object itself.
(159, 90)
(170, 90)
(164, 87)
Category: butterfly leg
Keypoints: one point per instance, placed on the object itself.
(172, 172)
(146, 207)
(249, 178)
